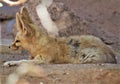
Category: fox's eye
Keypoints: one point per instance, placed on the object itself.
(17, 40)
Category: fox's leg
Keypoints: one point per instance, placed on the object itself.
(12, 63)
(31, 57)
(16, 63)
(37, 60)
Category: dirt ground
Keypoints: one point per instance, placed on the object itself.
(103, 16)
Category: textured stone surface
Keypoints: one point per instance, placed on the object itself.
(8, 12)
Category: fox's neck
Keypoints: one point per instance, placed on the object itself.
(39, 43)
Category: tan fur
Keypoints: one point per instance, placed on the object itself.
(46, 49)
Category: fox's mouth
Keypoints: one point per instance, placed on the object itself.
(14, 48)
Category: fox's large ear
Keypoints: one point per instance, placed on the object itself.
(23, 25)
(25, 15)
(20, 24)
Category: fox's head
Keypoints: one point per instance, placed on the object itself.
(27, 31)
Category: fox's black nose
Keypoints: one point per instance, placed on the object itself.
(9, 47)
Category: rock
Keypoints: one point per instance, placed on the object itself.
(7, 28)
(8, 12)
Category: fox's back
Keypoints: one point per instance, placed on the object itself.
(89, 49)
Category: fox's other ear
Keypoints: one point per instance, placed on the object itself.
(23, 26)
(25, 15)
(20, 24)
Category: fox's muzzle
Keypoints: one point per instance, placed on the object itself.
(14, 47)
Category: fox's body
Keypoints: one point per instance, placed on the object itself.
(84, 49)
(47, 49)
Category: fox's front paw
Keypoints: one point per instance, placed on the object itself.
(10, 63)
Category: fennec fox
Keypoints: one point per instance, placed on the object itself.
(46, 49)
